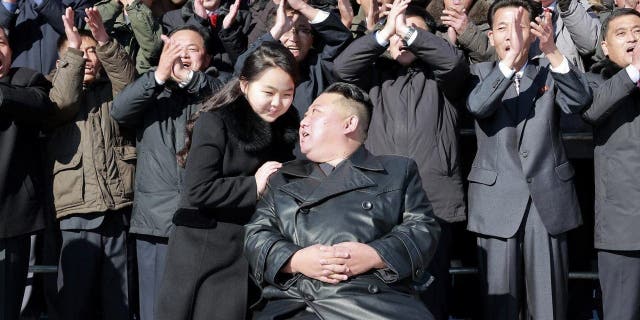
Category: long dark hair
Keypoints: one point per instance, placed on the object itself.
(268, 55)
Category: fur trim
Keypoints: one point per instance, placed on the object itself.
(254, 134)
(477, 13)
(606, 68)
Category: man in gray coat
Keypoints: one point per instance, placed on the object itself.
(615, 115)
(344, 235)
(522, 200)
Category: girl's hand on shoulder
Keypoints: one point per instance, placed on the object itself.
(263, 173)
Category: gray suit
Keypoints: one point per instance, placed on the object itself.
(521, 194)
(615, 115)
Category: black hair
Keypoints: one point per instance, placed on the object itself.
(203, 34)
(534, 8)
(418, 11)
(268, 55)
(353, 93)
(62, 41)
(615, 14)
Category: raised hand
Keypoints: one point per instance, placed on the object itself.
(297, 5)
(73, 36)
(635, 60)
(263, 173)
(199, 10)
(373, 14)
(169, 57)
(456, 20)
(515, 39)
(94, 22)
(543, 30)
(313, 262)
(346, 12)
(230, 18)
(396, 9)
(283, 22)
(362, 258)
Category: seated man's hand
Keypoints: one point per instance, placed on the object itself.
(320, 262)
(362, 258)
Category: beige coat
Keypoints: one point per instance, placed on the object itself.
(93, 160)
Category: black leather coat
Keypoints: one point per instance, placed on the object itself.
(376, 200)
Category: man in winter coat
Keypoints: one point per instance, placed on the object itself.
(522, 200)
(92, 163)
(414, 93)
(345, 234)
(158, 105)
(615, 115)
(23, 106)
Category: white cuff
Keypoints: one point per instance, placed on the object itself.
(506, 71)
(321, 16)
(382, 42)
(633, 73)
(413, 38)
(155, 76)
(563, 67)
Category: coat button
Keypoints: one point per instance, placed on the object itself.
(524, 153)
(308, 297)
(529, 180)
(418, 273)
(373, 289)
(367, 205)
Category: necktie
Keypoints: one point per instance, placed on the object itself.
(516, 82)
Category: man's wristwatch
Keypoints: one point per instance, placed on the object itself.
(408, 35)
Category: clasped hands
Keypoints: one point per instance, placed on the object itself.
(334, 264)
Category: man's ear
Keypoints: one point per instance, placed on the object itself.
(57, 63)
(243, 86)
(351, 124)
(605, 50)
(207, 61)
(490, 35)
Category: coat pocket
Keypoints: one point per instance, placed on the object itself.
(565, 171)
(126, 161)
(483, 176)
(68, 182)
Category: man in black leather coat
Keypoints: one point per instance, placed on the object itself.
(346, 234)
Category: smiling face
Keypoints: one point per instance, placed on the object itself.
(5, 54)
(194, 54)
(322, 127)
(623, 34)
(299, 38)
(270, 94)
(92, 64)
(396, 45)
(500, 36)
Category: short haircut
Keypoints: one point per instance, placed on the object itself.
(615, 14)
(83, 34)
(203, 34)
(534, 8)
(357, 100)
(418, 11)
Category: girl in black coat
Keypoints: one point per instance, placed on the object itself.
(240, 137)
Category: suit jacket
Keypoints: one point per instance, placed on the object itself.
(376, 200)
(520, 151)
(615, 115)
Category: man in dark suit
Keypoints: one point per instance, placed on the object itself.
(24, 103)
(522, 200)
(346, 234)
(615, 116)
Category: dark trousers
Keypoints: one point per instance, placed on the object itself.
(525, 276)
(206, 275)
(436, 297)
(152, 252)
(619, 273)
(92, 272)
(14, 264)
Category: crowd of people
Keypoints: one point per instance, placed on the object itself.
(294, 159)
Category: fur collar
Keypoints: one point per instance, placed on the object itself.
(606, 68)
(254, 134)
